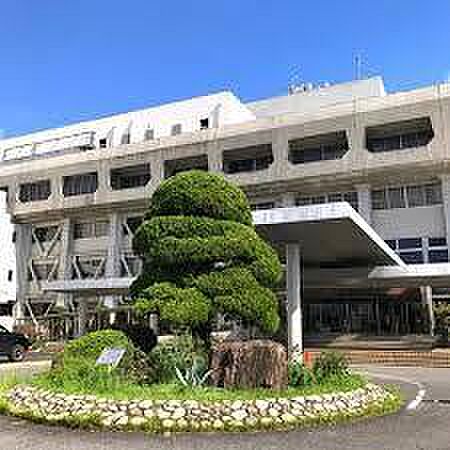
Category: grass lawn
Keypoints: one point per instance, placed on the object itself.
(119, 389)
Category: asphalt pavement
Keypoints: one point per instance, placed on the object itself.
(426, 426)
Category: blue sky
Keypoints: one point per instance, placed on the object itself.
(64, 61)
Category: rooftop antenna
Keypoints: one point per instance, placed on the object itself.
(358, 67)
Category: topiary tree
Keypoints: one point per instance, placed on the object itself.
(202, 256)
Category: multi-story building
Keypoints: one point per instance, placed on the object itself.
(76, 194)
(7, 265)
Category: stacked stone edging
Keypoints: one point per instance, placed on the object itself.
(191, 415)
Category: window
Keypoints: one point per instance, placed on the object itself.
(132, 224)
(176, 129)
(130, 177)
(174, 166)
(89, 267)
(437, 250)
(204, 124)
(248, 159)
(407, 196)
(31, 192)
(396, 198)
(14, 237)
(399, 135)
(409, 249)
(318, 148)
(350, 197)
(10, 275)
(85, 183)
(90, 229)
(103, 143)
(149, 134)
(262, 205)
(45, 234)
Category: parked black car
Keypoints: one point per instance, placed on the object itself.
(13, 345)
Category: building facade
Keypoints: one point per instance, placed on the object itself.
(77, 194)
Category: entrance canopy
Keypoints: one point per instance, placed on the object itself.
(329, 235)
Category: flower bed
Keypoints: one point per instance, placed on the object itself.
(191, 415)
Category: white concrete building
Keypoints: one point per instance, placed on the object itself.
(77, 193)
(7, 265)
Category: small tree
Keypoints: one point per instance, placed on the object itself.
(202, 256)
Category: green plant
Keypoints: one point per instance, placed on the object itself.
(202, 256)
(135, 364)
(330, 364)
(196, 375)
(442, 318)
(300, 375)
(179, 352)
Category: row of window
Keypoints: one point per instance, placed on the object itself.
(350, 197)
(407, 196)
(421, 250)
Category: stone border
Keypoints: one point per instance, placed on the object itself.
(190, 415)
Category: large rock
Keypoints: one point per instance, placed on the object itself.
(249, 364)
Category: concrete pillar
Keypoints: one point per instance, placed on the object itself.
(427, 300)
(445, 180)
(215, 157)
(82, 316)
(23, 255)
(294, 298)
(112, 268)
(65, 266)
(364, 202)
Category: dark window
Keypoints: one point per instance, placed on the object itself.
(392, 244)
(318, 148)
(437, 242)
(103, 143)
(130, 177)
(204, 124)
(438, 256)
(414, 257)
(90, 229)
(5, 189)
(45, 234)
(174, 166)
(176, 129)
(14, 237)
(31, 192)
(133, 223)
(85, 183)
(10, 275)
(248, 159)
(263, 205)
(400, 135)
(409, 243)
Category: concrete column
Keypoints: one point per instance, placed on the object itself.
(112, 268)
(215, 158)
(427, 300)
(82, 316)
(65, 266)
(364, 202)
(294, 298)
(445, 180)
(23, 255)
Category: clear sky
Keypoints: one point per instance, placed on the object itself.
(63, 61)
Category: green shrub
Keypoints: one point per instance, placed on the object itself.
(202, 256)
(300, 375)
(198, 193)
(330, 364)
(134, 365)
(180, 352)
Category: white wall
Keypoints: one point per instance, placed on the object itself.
(221, 109)
(7, 254)
(426, 221)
